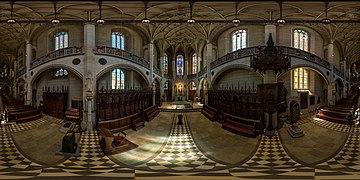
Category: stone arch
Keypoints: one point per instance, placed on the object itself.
(307, 66)
(122, 66)
(227, 68)
(53, 66)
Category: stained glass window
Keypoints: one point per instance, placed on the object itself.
(117, 79)
(61, 40)
(61, 72)
(301, 39)
(301, 78)
(194, 63)
(180, 65)
(192, 85)
(239, 40)
(166, 64)
(117, 40)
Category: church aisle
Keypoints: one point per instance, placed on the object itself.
(181, 153)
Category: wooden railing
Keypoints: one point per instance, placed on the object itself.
(122, 54)
(241, 53)
(55, 55)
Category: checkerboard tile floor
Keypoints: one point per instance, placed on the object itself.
(18, 127)
(12, 162)
(180, 153)
(331, 125)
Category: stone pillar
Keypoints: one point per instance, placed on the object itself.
(162, 83)
(89, 81)
(154, 93)
(15, 92)
(28, 85)
(209, 59)
(330, 57)
(151, 53)
(270, 28)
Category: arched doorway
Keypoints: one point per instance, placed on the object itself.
(168, 91)
(192, 90)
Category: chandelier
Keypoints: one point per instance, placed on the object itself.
(270, 58)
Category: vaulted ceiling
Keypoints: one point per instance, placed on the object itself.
(219, 14)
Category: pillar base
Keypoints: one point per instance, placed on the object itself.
(270, 133)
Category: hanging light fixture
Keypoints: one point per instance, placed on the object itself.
(236, 21)
(55, 21)
(146, 20)
(280, 21)
(326, 20)
(11, 20)
(100, 21)
(191, 21)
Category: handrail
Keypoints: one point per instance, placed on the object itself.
(157, 71)
(55, 55)
(168, 76)
(191, 76)
(122, 54)
(202, 71)
(241, 53)
(20, 72)
(338, 72)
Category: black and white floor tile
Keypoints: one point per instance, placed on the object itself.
(181, 153)
(18, 127)
(181, 157)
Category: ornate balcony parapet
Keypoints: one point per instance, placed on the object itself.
(157, 71)
(55, 55)
(202, 71)
(191, 76)
(122, 54)
(246, 52)
(21, 72)
(338, 72)
(168, 76)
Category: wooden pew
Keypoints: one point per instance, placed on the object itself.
(72, 114)
(28, 115)
(209, 112)
(335, 116)
(248, 127)
(151, 112)
(123, 123)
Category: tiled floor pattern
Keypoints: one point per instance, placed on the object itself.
(12, 162)
(181, 154)
(18, 127)
(331, 125)
(269, 161)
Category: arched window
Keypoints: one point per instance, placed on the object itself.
(194, 63)
(180, 65)
(61, 72)
(301, 78)
(117, 79)
(166, 64)
(192, 85)
(301, 39)
(117, 40)
(61, 40)
(239, 40)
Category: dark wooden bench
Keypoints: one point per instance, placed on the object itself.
(334, 116)
(137, 121)
(72, 114)
(121, 124)
(151, 112)
(243, 126)
(208, 112)
(28, 115)
(11, 111)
